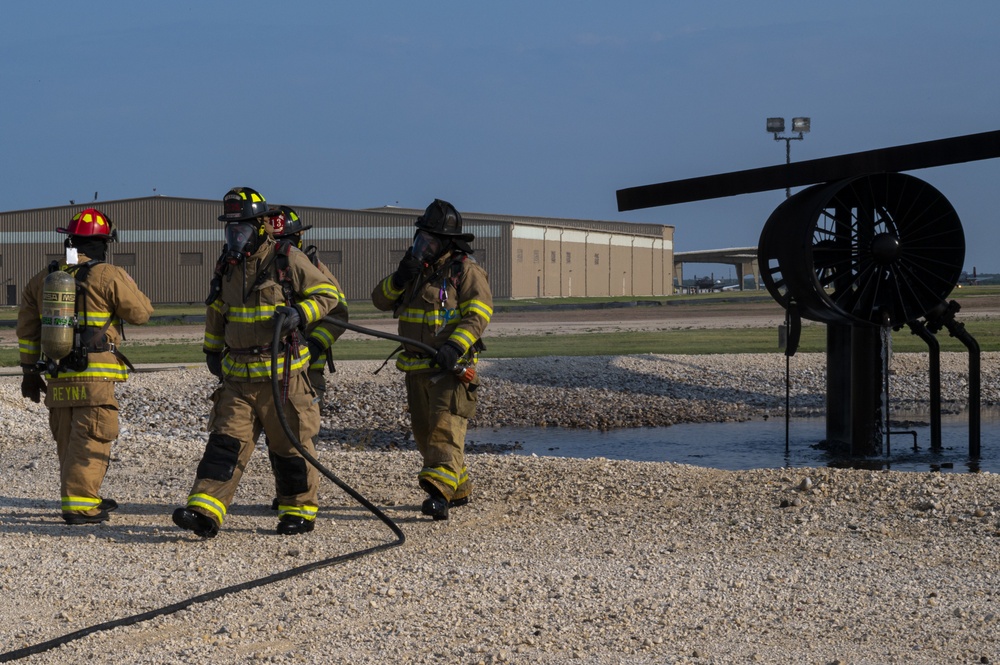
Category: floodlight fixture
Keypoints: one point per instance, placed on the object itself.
(776, 126)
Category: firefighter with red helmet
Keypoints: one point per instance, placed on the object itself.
(442, 298)
(288, 227)
(257, 279)
(69, 329)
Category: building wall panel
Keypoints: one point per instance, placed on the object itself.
(170, 246)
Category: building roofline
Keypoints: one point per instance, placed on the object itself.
(389, 210)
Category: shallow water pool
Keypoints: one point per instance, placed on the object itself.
(757, 444)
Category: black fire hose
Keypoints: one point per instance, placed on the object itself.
(459, 370)
(429, 350)
(17, 654)
(279, 319)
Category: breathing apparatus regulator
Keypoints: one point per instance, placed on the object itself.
(242, 240)
(427, 248)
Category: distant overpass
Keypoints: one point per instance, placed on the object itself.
(744, 258)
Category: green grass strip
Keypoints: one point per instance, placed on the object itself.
(678, 342)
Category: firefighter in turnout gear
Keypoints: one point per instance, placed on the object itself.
(256, 279)
(442, 298)
(288, 227)
(321, 336)
(69, 329)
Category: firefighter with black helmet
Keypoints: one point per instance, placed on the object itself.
(256, 280)
(288, 227)
(69, 330)
(442, 298)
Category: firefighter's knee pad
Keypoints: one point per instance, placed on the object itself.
(290, 474)
(221, 456)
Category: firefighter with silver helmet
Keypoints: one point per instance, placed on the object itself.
(69, 330)
(288, 227)
(442, 299)
(255, 280)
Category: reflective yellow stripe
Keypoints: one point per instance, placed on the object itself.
(250, 314)
(440, 474)
(476, 307)
(463, 338)
(209, 503)
(260, 369)
(97, 319)
(408, 363)
(431, 318)
(323, 336)
(79, 503)
(113, 371)
(214, 342)
(388, 290)
(29, 346)
(310, 310)
(325, 288)
(307, 512)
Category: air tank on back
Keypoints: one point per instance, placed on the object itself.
(58, 314)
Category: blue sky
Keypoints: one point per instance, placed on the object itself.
(527, 108)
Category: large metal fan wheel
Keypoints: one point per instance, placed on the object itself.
(881, 249)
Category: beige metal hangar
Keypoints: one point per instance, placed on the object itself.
(170, 246)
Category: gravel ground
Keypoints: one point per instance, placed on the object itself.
(555, 560)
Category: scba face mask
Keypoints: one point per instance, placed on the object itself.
(242, 240)
(426, 247)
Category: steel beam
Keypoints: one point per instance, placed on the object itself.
(927, 154)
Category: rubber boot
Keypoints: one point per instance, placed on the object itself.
(202, 525)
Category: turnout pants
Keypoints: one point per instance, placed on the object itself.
(240, 412)
(83, 435)
(440, 407)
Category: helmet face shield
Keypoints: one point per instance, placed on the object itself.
(426, 247)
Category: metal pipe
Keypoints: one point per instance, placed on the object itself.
(958, 331)
(944, 315)
(934, 377)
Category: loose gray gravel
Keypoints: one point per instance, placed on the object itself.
(555, 560)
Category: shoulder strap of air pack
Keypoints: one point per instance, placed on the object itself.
(282, 249)
(215, 286)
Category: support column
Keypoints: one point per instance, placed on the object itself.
(838, 386)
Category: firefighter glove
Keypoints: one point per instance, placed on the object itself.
(292, 318)
(32, 386)
(409, 268)
(214, 361)
(316, 350)
(447, 356)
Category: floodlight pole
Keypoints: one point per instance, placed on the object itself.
(776, 126)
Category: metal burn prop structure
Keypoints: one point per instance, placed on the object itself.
(863, 249)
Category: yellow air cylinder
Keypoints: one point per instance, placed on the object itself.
(58, 314)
